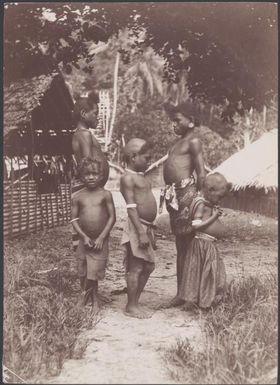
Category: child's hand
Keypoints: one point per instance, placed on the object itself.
(217, 211)
(98, 244)
(87, 242)
(143, 241)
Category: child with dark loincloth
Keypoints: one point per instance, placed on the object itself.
(184, 158)
(138, 236)
(204, 277)
(93, 216)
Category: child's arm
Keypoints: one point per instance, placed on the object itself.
(196, 151)
(198, 223)
(127, 190)
(75, 222)
(110, 223)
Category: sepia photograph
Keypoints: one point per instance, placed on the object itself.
(140, 193)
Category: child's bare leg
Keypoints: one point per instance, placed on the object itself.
(83, 297)
(181, 246)
(135, 269)
(94, 296)
(148, 268)
(82, 283)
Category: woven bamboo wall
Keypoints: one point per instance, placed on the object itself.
(26, 211)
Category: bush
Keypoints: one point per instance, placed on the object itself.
(241, 339)
(42, 320)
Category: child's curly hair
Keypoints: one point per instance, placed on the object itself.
(85, 104)
(88, 162)
(187, 109)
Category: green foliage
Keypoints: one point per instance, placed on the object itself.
(41, 319)
(149, 122)
(241, 339)
(198, 38)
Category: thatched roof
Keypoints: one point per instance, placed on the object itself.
(44, 101)
(21, 97)
(255, 165)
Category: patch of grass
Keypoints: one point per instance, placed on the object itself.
(241, 339)
(41, 318)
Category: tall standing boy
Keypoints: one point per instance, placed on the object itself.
(184, 157)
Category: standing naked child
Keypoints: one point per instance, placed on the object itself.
(204, 277)
(138, 234)
(93, 216)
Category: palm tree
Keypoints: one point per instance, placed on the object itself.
(177, 92)
(144, 77)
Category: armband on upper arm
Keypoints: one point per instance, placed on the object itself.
(131, 205)
(75, 219)
(196, 222)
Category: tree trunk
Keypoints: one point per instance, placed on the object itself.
(246, 137)
(115, 96)
(264, 116)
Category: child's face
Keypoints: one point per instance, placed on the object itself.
(214, 191)
(181, 123)
(141, 161)
(91, 176)
(90, 117)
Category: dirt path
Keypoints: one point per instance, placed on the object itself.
(127, 350)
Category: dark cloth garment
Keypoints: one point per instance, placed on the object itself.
(180, 220)
(92, 263)
(204, 276)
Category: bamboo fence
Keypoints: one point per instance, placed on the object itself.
(25, 211)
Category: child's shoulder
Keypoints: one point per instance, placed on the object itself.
(127, 178)
(106, 192)
(78, 194)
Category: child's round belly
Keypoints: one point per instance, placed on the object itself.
(147, 211)
(93, 225)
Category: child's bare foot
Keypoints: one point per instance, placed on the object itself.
(189, 306)
(136, 312)
(95, 307)
(104, 299)
(176, 301)
(82, 299)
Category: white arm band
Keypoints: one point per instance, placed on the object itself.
(196, 222)
(131, 206)
(75, 219)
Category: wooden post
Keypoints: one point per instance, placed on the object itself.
(31, 152)
(115, 96)
(264, 116)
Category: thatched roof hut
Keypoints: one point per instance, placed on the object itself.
(38, 116)
(253, 172)
(254, 166)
